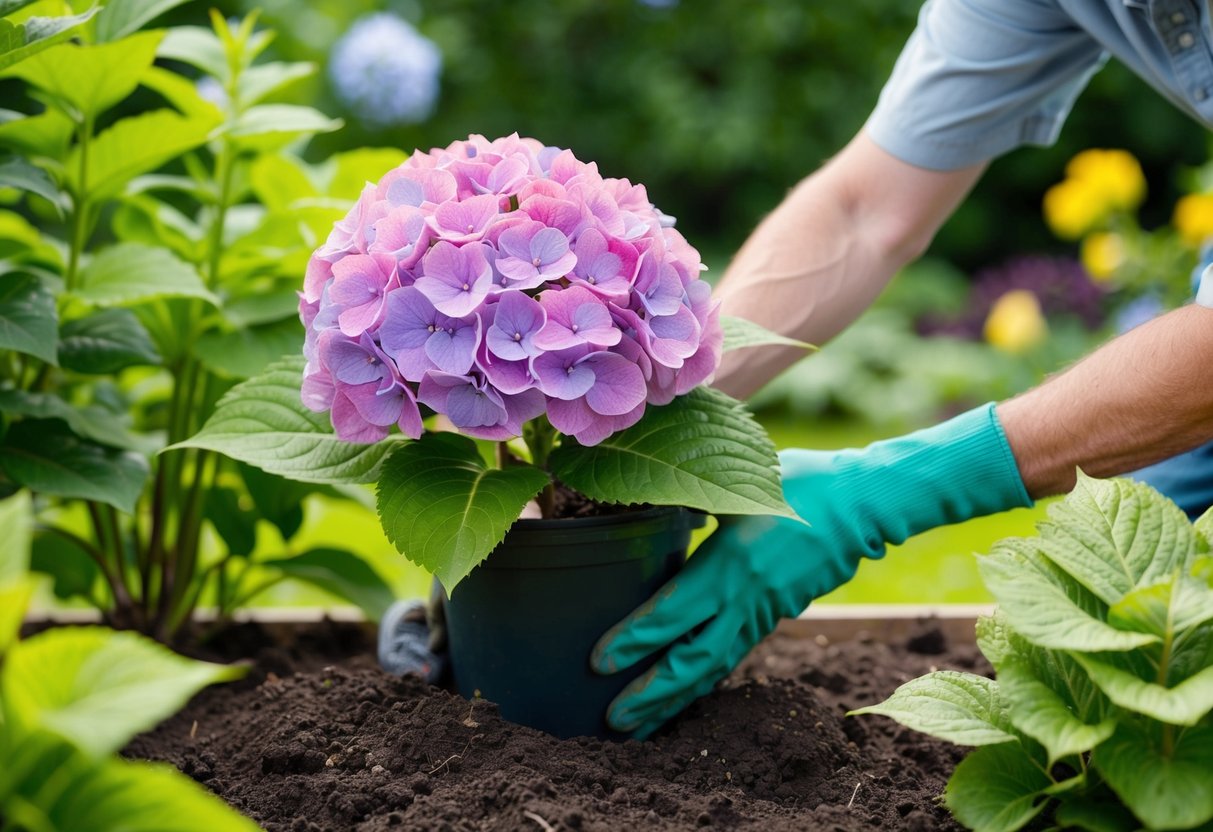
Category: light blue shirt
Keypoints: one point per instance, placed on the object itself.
(978, 78)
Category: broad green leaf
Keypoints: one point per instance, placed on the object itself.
(1164, 609)
(258, 82)
(44, 136)
(120, 18)
(15, 172)
(246, 352)
(236, 525)
(703, 450)
(130, 273)
(19, 41)
(444, 509)
(263, 422)
(7, 7)
(958, 707)
(998, 788)
(1167, 788)
(14, 601)
(98, 688)
(1045, 605)
(994, 638)
(1204, 527)
(136, 145)
(1041, 713)
(90, 422)
(269, 126)
(92, 78)
(1183, 704)
(1113, 535)
(46, 457)
(1102, 812)
(277, 500)
(182, 93)
(105, 342)
(116, 794)
(279, 180)
(20, 240)
(196, 46)
(72, 571)
(740, 333)
(149, 221)
(28, 320)
(351, 170)
(16, 530)
(263, 307)
(343, 574)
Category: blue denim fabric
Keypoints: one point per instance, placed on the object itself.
(978, 78)
(1187, 479)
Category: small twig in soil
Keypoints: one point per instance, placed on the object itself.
(451, 758)
(194, 729)
(851, 802)
(547, 827)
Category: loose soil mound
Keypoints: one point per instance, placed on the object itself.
(301, 746)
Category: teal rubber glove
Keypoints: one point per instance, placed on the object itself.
(756, 570)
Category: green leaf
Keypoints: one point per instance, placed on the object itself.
(48, 458)
(1165, 609)
(120, 18)
(994, 638)
(196, 46)
(269, 126)
(1167, 788)
(237, 526)
(98, 688)
(16, 530)
(352, 169)
(14, 600)
(105, 342)
(343, 574)
(19, 41)
(1183, 704)
(93, 78)
(130, 273)
(1113, 535)
(28, 320)
(1204, 527)
(15, 172)
(998, 788)
(91, 422)
(740, 333)
(958, 707)
(1045, 605)
(277, 500)
(1041, 713)
(7, 7)
(118, 794)
(45, 135)
(244, 353)
(444, 509)
(264, 307)
(279, 180)
(263, 422)
(258, 82)
(182, 93)
(136, 145)
(703, 450)
(72, 571)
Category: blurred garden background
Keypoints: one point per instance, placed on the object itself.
(718, 108)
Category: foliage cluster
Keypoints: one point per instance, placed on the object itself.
(1103, 648)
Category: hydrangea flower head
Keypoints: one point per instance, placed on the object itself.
(495, 281)
(386, 71)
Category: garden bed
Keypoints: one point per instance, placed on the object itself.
(317, 738)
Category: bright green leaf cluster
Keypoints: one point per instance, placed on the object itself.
(1102, 712)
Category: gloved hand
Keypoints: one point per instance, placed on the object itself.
(756, 570)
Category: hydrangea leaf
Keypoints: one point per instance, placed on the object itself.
(445, 509)
(998, 788)
(245, 352)
(90, 422)
(263, 422)
(15, 172)
(703, 450)
(259, 81)
(1042, 713)
(1047, 607)
(1167, 783)
(1204, 527)
(958, 707)
(46, 457)
(28, 320)
(130, 273)
(343, 574)
(98, 688)
(72, 571)
(105, 342)
(14, 600)
(19, 41)
(1164, 609)
(120, 18)
(197, 46)
(267, 126)
(740, 333)
(1114, 535)
(139, 797)
(17, 520)
(1185, 703)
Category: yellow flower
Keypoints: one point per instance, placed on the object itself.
(1193, 218)
(1015, 324)
(1102, 254)
(1072, 208)
(1115, 174)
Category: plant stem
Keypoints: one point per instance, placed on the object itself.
(80, 207)
(540, 438)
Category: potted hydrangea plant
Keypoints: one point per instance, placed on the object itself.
(556, 320)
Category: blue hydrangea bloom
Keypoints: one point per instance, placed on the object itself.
(385, 71)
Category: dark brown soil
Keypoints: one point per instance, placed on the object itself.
(302, 746)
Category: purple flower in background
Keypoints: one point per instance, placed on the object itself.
(419, 337)
(385, 71)
(532, 253)
(576, 316)
(456, 280)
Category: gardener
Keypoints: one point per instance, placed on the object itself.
(977, 78)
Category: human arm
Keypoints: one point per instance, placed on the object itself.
(825, 253)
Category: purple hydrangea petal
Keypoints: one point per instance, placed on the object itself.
(452, 347)
(659, 287)
(359, 284)
(575, 316)
(455, 279)
(317, 391)
(465, 221)
(557, 214)
(561, 376)
(350, 425)
(351, 362)
(618, 384)
(516, 319)
(674, 337)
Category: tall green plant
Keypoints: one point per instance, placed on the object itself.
(1100, 717)
(171, 240)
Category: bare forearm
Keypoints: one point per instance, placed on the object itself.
(1143, 397)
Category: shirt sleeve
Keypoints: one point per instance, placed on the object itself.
(1204, 289)
(978, 78)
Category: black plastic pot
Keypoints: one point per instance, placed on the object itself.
(523, 623)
